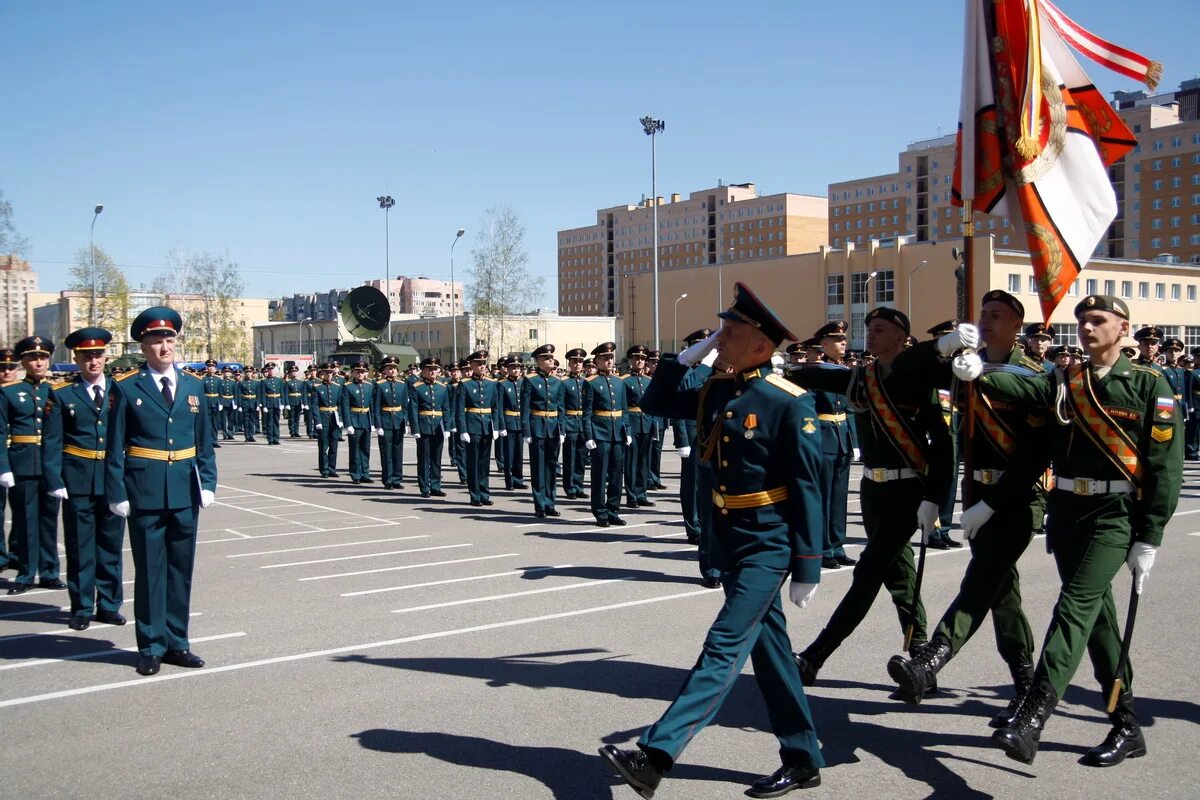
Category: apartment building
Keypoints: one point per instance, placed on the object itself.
(17, 280)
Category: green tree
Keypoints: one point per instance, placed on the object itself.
(501, 284)
(111, 296)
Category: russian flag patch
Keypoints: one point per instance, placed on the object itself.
(1165, 407)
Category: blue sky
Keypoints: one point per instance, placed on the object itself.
(266, 130)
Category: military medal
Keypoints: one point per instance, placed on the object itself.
(750, 423)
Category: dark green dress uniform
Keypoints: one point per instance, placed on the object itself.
(541, 423)
(430, 412)
(160, 460)
(311, 415)
(891, 489)
(250, 400)
(325, 402)
(212, 398)
(458, 450)
(512, 454)
(477, 416)
(573, 449)
(229, 400)
(272, 406)
(7, 560)
(837, 451)
(605, 429)
(390, 413)
(1191, 393)
(357, 397)
(1096, 513)
(660, 431)
(77, 435)
(294, 392)
(34, 536)
(640, 427)
(696, 481)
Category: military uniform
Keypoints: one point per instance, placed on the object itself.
(311, 415)
(640, 428)
(212, 399)
(229, 404)
(357, 397)
(272, 393)
(512, 454)
(654, 480)
(837, 451)
(541, 424)
(250, 400)
(8, 364)
(294, 393)
(325, 402)
(605, 434)
(430, 412)
(573, 450)
(1177, 376)
(458, 450)
(390, 414)
(1192, 429)
(478, 419)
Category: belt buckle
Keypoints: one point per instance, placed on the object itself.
(989, 476)
(1083, 486)
(170, 456)
(879, 475)
(718, 500)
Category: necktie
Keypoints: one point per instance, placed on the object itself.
(99, 398)
(166, 391)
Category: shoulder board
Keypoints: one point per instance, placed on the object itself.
(1036, 366)
(787, 386)
(126, 375)
(1147, 370)
(489, 378)
(60, 386)
(12, 383)
(626, 375)
(594, 377)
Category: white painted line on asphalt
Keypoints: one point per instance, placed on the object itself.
(510, 595)
(301, 533)
(98, 653)
(31, 612)
(408, 566)
(239, 533)
(311, 505)
(1185, 513)
(326, 546)
(62, 631)
(217, 670)
(457, 580)
(366, 555)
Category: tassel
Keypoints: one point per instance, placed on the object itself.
(1027, 148)
(1153, 75)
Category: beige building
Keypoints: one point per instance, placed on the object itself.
(723, 225)
(17, 280)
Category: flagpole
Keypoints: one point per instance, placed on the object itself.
(968, 427)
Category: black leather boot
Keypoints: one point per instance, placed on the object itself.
(917, 675)
(1022, 675)
(635, 768)
(1020, 740)
(1125, 740)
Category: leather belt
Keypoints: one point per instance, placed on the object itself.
(751, 500)
(832, 417)
(1087, 486)
(206, 394)
(512, 413)
(273, 395)
(987, 476)
(478, 410)
(94, 455)
(25, 439)
(429, 413)
(544, 413)
(634, 410)
(879, 475)
(224, 396)
(160, 455)
(392, 409)
(573, 413)
(607, 413)
(327, 409)
(359, 410)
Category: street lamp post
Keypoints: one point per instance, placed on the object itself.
(675, 329)
(312, 337)
(92, 261)
(453, 311)
(721, 282)
(653, 127)
(386, 202)
(909, 290)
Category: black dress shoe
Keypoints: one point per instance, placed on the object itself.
(846, 561)
(51, 583)
(539, 514)
(631, 504)
(553, 512)
(953, 543)
(438, 493)
(334, 474)
(183, 658)
(784, 780)
(476, 503)
(148, 665)
(633, 767)
(645, 503)
(711, 583)
(489, 503)
(79, 622)
(519, 486)
(808, 670)
(937, 544)
(367, 480)
(110, 618)
(20, 588)
(616, 521)
(600, 523)
(830, 563)
(426, 494)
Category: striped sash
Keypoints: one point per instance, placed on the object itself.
(1100, 428)
(996, 429)
(885, 414)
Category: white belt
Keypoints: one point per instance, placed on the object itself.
(879, 475)
(1087, 486)
(987, 476)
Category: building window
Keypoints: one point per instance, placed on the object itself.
(1143, 290)
(1090, 285)
(1110, 287)
(1191, 336)
(1014, 284)
(1175, 292)
(1127, 289)
(885, 286)
(533, 334)
(835, 290)
(1066, 333)
(1160, 291)
(858, 288)
(1073, 289)
(1191, 293)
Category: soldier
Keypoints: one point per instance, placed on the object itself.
(34, 536)
(77, 423)
(293, 396)
(357, 397)
(1148, 339)
(1116, 446)
(512, 455)
(273, 390)
(1038, 336)
(654, 480)
(907, 451)
(837, 448)
(1009, 504)
(572, 425)
(795, 354)
(1176, 375)
(458, 458)
(229, 389)
(250, 399)
(606, 434)
(212, 398)
(940, 539)
(1191, 395)
(758, 434)
(477, 418)
(8, 367)
(325, 401)
(429, 408)
(160, 470)
(696, 478)
(640, 429)
(813, 352)
(311, 415)
(389, 414)
(541, 428)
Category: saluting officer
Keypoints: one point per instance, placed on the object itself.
(541, 427)
(325, 400)
(294, 394)
(837, 447)
(229, 406)
(212, 398)
(758, 433)
(34, 537)
(250, 399)
(8, 367)
(696, 479)
(429, 413)
(160, 469)
(77, 426)
(477, 418)
(639, 427)
(572, 425)
(357, 397)
(606, 434)
(512, 455)
(390, 413)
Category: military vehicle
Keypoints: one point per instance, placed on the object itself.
(363, 316)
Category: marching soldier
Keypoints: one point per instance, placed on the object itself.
(477, 418)
(941, 539)
(390, 413)
(541, 427)
(758, 434)
(250, 399)
(325, 402)
(77, 425)
(229, 392)
(639, 428)
(357, 397)
(696, 477)
(272, 403)
(8, 367)
(512, 455)
(212, 399)
(606, 434)
(837, 447)
(812, 350)
(429, 412)
(1038, 336)
(160, 470)
(1115, 440)
(572, 425)
(294, 393)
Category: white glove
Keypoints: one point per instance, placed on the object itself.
(801, 593)
(927, 518)
(304, 407)
(379, 432)
(975, 518)
(350, 431)
(504, 433)
(590, 444)
(857, 454)
(685, 452)
(528, 440)
(121, 509)
(628, 440)
(235, 407)
(7, 480)
(710, 359)
(562, 437)
(692, 355)
(61, 494)
(465, 438)
(1139, 561)
(967, 367)
(318, 426)
(495, 434)
(207, 497)
(417, 435)
(965, 335)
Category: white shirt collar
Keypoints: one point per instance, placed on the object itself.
(98, 382)
(171, 375)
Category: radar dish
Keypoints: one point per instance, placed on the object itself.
(365, 313)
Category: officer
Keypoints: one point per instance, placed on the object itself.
(1176, 375)
(940, 539)
(357, 397)
(639, 427)
(458, 457)
(34, 536)
(1115, 441)
(478, 420)
(572, 425)
(212, 398)
(1038, 336)
(541, 428)
(311, 416)
(78, 422)
(654, 482)
(228, 402)
(8, 368)
(1148, 340)
(293, 396)
(1010, 502)
(758, 434)
(429, 410)
(606, 434)
(837, 448)
(160, 470)
(512, 455)
(696, 478)
(907, 451)
(390, 414)
(795, 354)
(813, 351)
(273, 391)
(250, 399)
(1191, 395)
(325, 401)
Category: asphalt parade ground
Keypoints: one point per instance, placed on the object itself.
(370, 643)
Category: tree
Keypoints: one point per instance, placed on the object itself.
(207, 287)
(111, 290)
(501, 284)
(11, 242)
